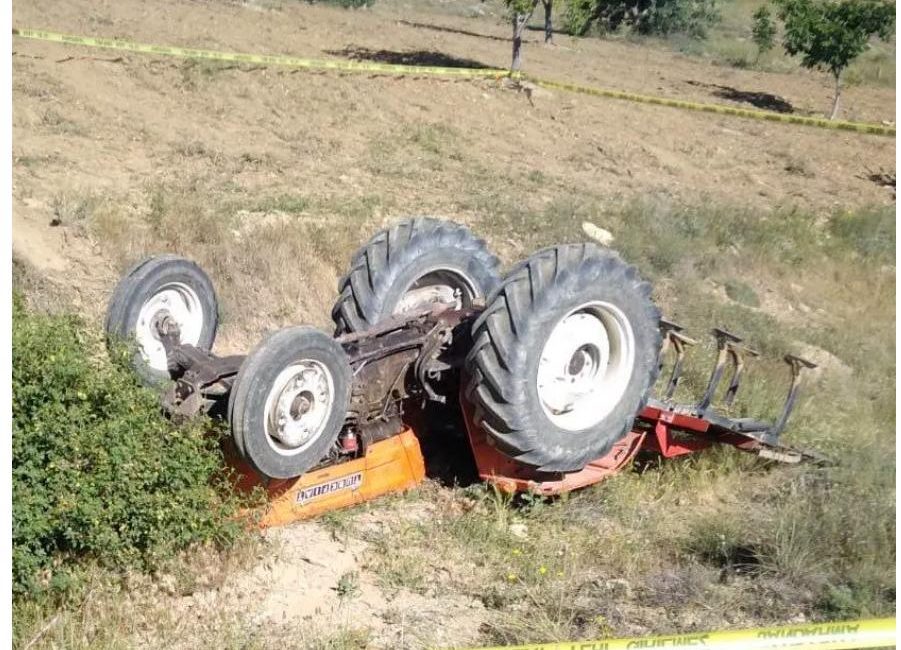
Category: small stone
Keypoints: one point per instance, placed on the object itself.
(601, 236)
(519, 530)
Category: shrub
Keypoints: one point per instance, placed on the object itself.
(346, 4)
(98, 474)
(691, 17)
(763, 31)
(741, 292)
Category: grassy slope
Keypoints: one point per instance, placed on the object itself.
(733, 540)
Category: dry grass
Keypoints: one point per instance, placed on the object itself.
(733, 539)
(284, 250)
(112, 612)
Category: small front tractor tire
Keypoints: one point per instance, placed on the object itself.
(563, 357)
(161, 287)
(289, 401)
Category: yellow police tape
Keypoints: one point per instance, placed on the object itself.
(262, 59)
(387, 68)
(849, 635)
(860, 127)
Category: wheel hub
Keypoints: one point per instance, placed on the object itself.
(585, 365)
(173, 311)
(421, 299)
(299, 405)
(441, 286)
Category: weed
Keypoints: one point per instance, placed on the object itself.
(59, 124)
(798, 167)
(196, 73)
(741, 292)
(346, 4)
(535, 176)
(348, 585)
(868, 233)
(37, 161)
(39, 294)
(73, 209)
(289, 203)
(341, 639)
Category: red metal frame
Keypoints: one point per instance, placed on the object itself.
(666, 432)
(397, 464)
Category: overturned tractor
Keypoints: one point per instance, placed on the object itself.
(550, 368)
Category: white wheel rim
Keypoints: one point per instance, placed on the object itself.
(437, 286)
(585, 365)
(177, 302)
(298, 406)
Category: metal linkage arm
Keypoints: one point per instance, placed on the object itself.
(673, 338)
(728, 349)
(737, 353)
(796, 365)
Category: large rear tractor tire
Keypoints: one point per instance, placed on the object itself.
(410, 266)
(161, 289)
(563, 357)
(289, 401)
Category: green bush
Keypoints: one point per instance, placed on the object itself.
(690, 17)
(98, 475)
(741, 292)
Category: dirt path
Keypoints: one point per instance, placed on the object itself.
(305, 586)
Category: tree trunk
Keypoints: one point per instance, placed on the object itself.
(519, 24)
(548, 26)
(838, 94)
(520, 20)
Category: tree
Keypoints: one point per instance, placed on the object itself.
(764, 30)
(521, 12)
(829, 34)
(548, 26)
(659, 17)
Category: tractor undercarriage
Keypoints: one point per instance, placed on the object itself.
(552, 371)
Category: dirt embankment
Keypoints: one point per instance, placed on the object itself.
(92, 124)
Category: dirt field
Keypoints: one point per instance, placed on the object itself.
(99, 124)
(272, 177)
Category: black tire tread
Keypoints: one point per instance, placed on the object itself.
(496, 335)
(274, 351)
(360, 302)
